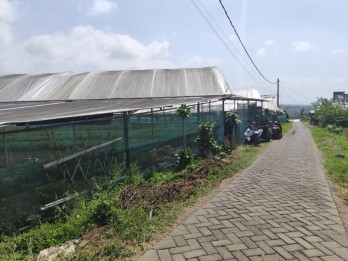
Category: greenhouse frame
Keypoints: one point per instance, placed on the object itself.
(62, 131)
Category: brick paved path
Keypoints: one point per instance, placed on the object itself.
(280, 208)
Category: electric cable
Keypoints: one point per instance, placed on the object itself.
(290, 88)
(223, 7)
(243, 59)
(221, 38)
(285, 91)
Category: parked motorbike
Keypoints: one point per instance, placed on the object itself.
(276, 130)
(252, 135)
(266, 134)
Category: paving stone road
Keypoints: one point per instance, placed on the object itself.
(280, 208)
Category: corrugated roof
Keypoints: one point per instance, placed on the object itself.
(33, 112)
(113, 84)
(55, 96)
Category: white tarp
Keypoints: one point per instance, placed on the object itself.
(114, 84)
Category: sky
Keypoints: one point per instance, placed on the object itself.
(303, 43)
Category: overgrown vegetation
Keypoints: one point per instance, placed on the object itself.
(331, 137)
(329, 112)
(184, 112)
(334, 148)
(122, 219)
(207, 143)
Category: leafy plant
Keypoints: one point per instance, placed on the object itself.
(328, 112)
(233, 117)
(161, 177)
(206, 141)
(101, 212)
(231, 122)
(184, 112)
(183, 159)
(334, 129)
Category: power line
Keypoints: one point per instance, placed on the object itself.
(297, 93)
(243, 59)
(223, 7)
(221, 38)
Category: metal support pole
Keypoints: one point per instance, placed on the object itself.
(223, 120)
(74, 133)
(126, 137)
(278, 92)
(198, 112)
(209, 109)
(5, 148)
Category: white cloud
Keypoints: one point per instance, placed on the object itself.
(302, 46)
(262, 52)
(339, 51)
(8, 14)
(101, 7)
(84, 48)
(192, 60)
(199, 61)
(269, 43)
(265, 50)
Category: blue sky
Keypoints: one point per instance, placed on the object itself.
(302, 42)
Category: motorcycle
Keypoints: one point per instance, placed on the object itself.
(276, 130)
(266, 134)
(252, 135)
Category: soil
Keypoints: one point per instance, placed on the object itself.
(178, 189)
(175, 190)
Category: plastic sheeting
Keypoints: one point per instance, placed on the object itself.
(269, 101)
(27, 112)
(114, 84)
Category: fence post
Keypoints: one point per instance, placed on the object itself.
(126, 137)
(5, 148)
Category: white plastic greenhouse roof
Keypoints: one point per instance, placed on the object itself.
(47, 97)
(113, 84)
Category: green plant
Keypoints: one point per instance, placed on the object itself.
(334, 129)
(206, 141)
(127, 230)
(184, 112)
(334, 149)
(161, 177)
(233, 117)
(231, 123)
(101, 212)
(183, 159)
(329, 112)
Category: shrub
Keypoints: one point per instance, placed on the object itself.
(206, 142)
(334, 129)
(183, 160)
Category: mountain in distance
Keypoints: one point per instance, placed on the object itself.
(294, 110)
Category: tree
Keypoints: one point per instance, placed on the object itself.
(301, 113)
(206, 141)
(231, 122)
(330, 112)
(184, 112)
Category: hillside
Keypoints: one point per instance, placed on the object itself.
(294, 111)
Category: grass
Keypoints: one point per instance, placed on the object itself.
(334, 150)
(108, 232)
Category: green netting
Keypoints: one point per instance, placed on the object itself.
(150, 139)
(153, 139)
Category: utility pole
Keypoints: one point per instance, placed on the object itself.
(278, 92)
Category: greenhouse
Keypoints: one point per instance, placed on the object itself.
(60, 132)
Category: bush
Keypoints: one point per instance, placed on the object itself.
(334, 129)
(206, 141)
(183, 160)
(329, 112)
(101, 213)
